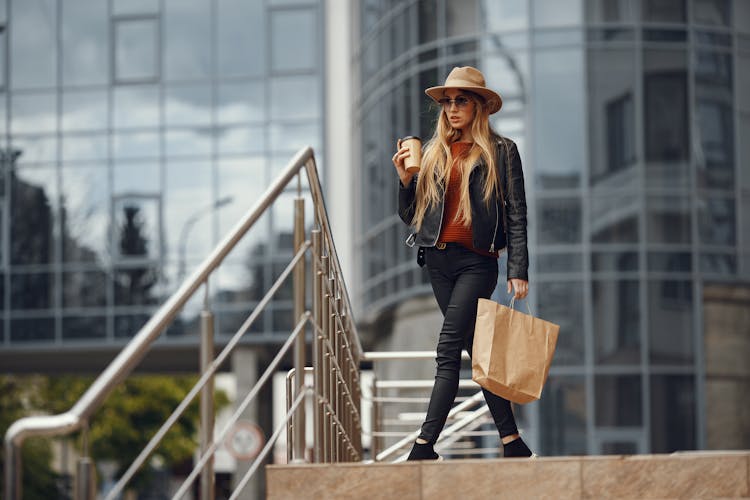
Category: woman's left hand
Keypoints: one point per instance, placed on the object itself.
(520, 286)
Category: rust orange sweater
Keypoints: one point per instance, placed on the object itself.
(453, 231)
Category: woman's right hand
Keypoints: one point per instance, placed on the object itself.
(398, 161)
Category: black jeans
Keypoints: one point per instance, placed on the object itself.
(459, 278)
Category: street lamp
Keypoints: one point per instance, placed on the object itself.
(188, 225)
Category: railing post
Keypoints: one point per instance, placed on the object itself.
(85, 485)
(375, 417)
(299, 310)
(13, 485)
(318, 407)
(206, 432)
(325, 372)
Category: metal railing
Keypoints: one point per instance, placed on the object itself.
(336, 357)
(464, 418)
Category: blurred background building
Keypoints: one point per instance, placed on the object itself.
(633, 122)
(134, 134)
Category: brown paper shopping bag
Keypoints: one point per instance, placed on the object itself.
(512, 351)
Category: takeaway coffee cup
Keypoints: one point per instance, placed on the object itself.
(414, 159)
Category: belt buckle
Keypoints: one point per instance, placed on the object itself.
(440, 245)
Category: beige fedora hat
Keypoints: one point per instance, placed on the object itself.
(467, 78)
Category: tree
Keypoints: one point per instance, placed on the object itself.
(118, 432)
(136, 278)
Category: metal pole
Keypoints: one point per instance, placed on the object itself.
(299, 347)
(13, 484)
(85, 485)
(325, 361)
(317, 353)
(207, 480)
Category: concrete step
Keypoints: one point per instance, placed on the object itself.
(678, 475)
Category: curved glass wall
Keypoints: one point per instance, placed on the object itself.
(632, 119)
(134, 136)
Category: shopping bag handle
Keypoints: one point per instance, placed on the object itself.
(513, 302)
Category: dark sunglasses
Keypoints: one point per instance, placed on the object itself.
(460, 102)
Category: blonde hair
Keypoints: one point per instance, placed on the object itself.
(437, 161)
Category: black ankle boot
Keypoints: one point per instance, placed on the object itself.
(423, 452)
(516, 448)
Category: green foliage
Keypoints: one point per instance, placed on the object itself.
(130, 416)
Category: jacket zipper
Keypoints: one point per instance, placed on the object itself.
(494, 235)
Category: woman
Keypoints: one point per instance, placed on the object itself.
(467, 204)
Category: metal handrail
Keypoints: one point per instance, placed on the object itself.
(337, 301)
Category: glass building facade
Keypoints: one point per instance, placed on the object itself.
(633, 121)
(135, 134)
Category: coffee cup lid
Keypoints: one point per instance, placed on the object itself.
(411, 137)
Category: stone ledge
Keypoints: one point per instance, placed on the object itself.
(679, 475)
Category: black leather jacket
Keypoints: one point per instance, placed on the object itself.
(494, 226)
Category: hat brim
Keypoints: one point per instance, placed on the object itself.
(492, 98)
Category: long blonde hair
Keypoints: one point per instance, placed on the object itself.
(437, 161)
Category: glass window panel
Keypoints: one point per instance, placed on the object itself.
(558, 262)
(559, 220)
(742, 16)
(32, 290)
(129, 145)
(296, 97)
(462, 18)
(187, 39)
(666, 117)
(33, 43)
(189, 210)
(85, 42)
(663, 11)
(241, 102)
(84, 289)
(611, 107)
(188, 105)
(136, 50)
(665, 35)
(562, 426)
(136, 106)
(292, 137)
(562, 302)
(670, 262)
(712, 12)
(85, 147)
(559, 124)
(548, 13)
(127, 326)
(125, 7)
(241, 38)
(614, 261)
(716, 221)
(84, 327)
(715, 120)
(614, 219)
(673, 419)
(616, 322)
(241, 140)
(32, 329)
(610, 11)
(504, 14)
(85, 202)
(668, 219)
(671, 318)
(33, 207)
(240, 179)
(85, 111)
(298, 52)
(744, 152)
(618, 400)
(33, 113)
(135, 178)
(35, 149)
(715, 264)
(743, 83)
(190, 143)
